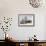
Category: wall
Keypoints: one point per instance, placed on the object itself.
(11, 8)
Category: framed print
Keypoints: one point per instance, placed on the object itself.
(26, 20)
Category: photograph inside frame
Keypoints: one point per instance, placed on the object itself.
(26, 19)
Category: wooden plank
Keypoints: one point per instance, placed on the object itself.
(25, 44)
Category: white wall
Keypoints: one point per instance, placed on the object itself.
(12, 8)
